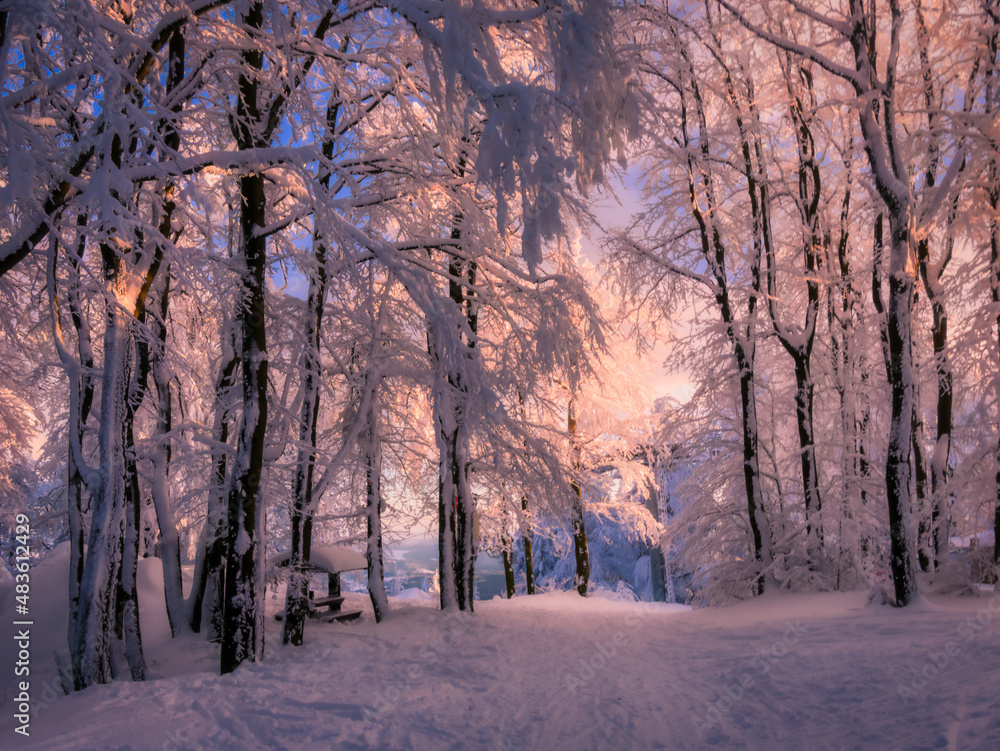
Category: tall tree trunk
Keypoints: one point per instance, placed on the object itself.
(374, 503)
(81, 398)
(931, 275)
(90, 645)
(898, 355)
(759, 527)
(901, 379)
(994, 198)
(527, 529)
(877, 118)
(940, 457)
(242, 627)
(125, 291)
(529, 558)
(921, 480)
(449, 483)
(897, 351)
(506, 552)
(128, 594)
(456, 504)
(992, 11)
(580, 549)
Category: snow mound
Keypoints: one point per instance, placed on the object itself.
(412, 593)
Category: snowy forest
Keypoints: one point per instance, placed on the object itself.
(688, 302)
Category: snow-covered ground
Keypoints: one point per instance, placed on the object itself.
(796, 672)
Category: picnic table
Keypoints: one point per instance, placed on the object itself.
(331, 560)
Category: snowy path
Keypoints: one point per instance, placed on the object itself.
(554, 672)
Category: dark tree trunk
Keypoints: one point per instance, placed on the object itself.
(759, 528)
(508, 565)
(992, 89)
(897, 351)
(920, 478)
(81, 399)
(373, 503)
(454, 550)
(90, 646)
(936, 539)
(877, 116)
(242, 633)
(456, 504)
(128, 596)
(96, 617)
(529, 559)
(901, 379)
(995, 289)
(527, 531)
(128, 604)
(580, 549)
(940, 458)
(807, 448)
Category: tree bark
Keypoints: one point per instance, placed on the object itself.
(81, 398)
(242, 632)
(992, 11)
(901, 379)
(892, 182)
(128, 604)
(994, 198)
(90, 646)
(374, 503)
(456, 504)
(529, 559)
(527, 531)
(580, 549)
(508, 565)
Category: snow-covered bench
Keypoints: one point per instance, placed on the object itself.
(331, 560)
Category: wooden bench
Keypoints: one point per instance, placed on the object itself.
(317, 606)
(340, 615)
(333, 603)
(331, 560)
